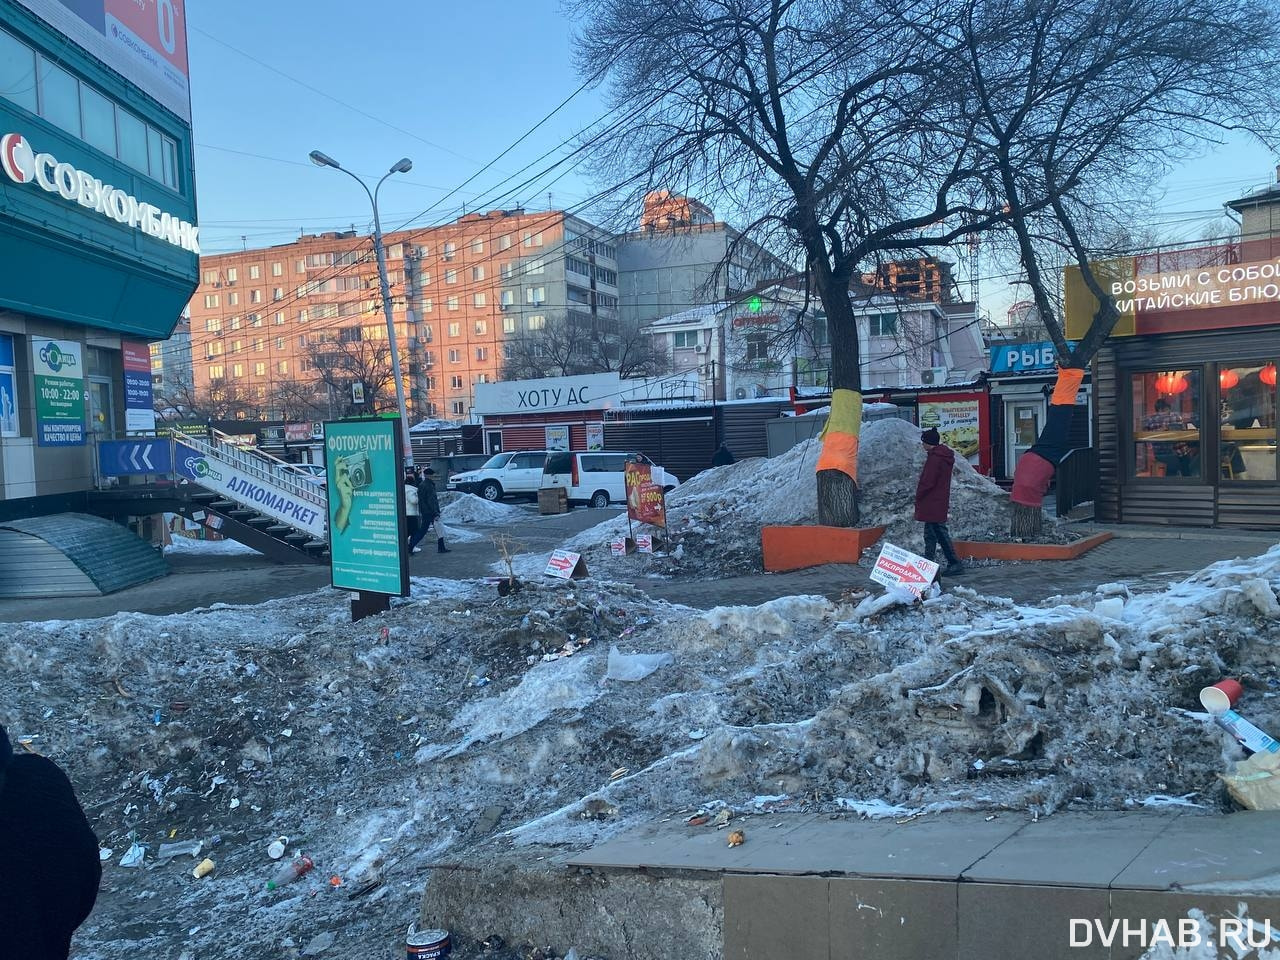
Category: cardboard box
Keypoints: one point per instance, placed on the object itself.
(553, 500)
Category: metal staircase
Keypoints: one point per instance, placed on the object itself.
(260, 500)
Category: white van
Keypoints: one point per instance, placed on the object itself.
(598, 478)
(517, 473)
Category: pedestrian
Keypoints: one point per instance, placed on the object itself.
(933, 500)
(411, 509)
(429, 510)
(722, 457)
(49, 865)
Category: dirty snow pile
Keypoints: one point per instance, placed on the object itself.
(458, 508)
(460, 726)
(714, 519)
(190, 546)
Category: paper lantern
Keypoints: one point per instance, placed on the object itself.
(1228, 379)
(1171, 383)
(1268, 374)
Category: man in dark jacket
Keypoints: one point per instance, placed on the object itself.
(933, 500)
(429, 508)
(49, 866)
(722, 457)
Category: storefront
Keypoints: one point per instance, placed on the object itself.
(1021, 381)
(1186, 390)
(97, 229)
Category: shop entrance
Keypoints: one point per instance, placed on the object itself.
(1022, 422)
(101, 414)
(493, 440)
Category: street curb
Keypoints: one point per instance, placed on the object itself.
(984, 550)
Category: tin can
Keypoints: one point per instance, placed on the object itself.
(426, 944)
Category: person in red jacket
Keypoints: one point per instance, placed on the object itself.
(933, 500)
(49, 865)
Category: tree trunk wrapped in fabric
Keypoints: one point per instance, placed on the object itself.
(1035, 468)
(838, 462)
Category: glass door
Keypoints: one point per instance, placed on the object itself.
(101, 414)
(1023, 420)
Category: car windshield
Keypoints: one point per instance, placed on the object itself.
(496, 462)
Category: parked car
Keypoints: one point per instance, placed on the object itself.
(448, 467)
(598, 478)
(514, 473)
(311, 472)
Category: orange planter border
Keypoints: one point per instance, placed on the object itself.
(986, 550)
(794, 548)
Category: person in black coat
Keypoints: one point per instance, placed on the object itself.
(722, 457)
(429, 508)
(49, 866)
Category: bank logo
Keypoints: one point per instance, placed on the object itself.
(17, 158)
(199, 468)
(55, 359)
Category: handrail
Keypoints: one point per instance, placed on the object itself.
(1076, 479)
(254, 467)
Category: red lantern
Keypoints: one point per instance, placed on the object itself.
(1171, 383)
(1268, 374)
(1228, 379)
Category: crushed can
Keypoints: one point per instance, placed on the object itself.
(426, 944)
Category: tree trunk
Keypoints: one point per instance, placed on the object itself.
(837, 499)
(1027, 522)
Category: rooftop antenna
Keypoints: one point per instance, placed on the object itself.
(244, 243)
(550, 205)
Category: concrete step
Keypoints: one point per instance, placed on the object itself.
(265, 522)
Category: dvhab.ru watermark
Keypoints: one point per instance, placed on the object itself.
(1238, 935)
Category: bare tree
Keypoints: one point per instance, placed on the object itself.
(298, 400)
(357, 370)
(567, 346)
(220, 400)
(1078, 104)
(831, 128)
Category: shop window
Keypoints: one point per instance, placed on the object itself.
(8, 387)
(133, 141)
(17, 72)
(59, 97)
(1166, 424)
(1247, 417)
(99, 120)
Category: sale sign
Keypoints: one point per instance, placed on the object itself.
(646, 501)
(896, 567)
(564, 565)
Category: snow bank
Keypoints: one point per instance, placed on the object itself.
(189, 546)
(468, 508)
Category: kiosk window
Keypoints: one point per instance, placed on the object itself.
(1247, 420)
(1166, 424)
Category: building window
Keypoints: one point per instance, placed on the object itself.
(537, 322)
(237, 370)
(1247, 413)
(508, 324)
(237, 346)
(282, 366)
(233, 274)
(508, 351)
(259, 369)
(217, 372)
(883, 324)
(99, 120)
(255, 296)
(299, 266)
(451, 303)
(577, 266)
(213, 325)
(507, 270)
(255, 272)
(482, 353)
(279, 319)
(477, 273)
(1166, 423)
(684, 339)
(757, 347)
(449, 251)
(17, 68)
(451, 276)
(534, 267)
(8, 378)
(458, 407)
(428, 305)
(209, 276)
(455, 329)
(455, 356)
(280, 342)
(482, 327)
(535, 295)
(277, 269)
(210, 299)
(477, 245)
(213, 348)
(259, 345)
(425, 335)
(482, 378)
(235, 323)
(532, 239)
(507, 298)
(479, 299)
(504, 242)
(233, 299)
(455, 382)
(254, 320)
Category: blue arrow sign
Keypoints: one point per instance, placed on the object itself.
(119, 458)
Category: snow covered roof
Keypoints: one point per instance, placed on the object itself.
(701, 314)
(425, 426)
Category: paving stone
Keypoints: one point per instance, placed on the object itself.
(1007, 922)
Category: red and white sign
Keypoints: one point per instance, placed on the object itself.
(644, 543)
(896, 567)
(564, 565)
(295, 432)
(618, 547)
(137, 356)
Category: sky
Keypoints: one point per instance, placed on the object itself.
(453, 86)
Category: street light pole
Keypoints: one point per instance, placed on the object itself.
(403, 166)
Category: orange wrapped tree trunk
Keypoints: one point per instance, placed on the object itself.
(1035, 469)
(838, 462)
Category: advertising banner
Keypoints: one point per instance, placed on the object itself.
(139, 405)
(145, 40)
(558, 437)
(368, 534)
(297, 432)
(896, 567)
(1025, 357)
(8, 389)
(646, 502)
(122, 458)
(59, 375)
(220, 477)
(957, 421)
(595, 436)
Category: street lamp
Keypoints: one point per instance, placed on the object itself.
(404, 165)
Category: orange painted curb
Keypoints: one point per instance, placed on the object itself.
(794, 548)
(983, 550)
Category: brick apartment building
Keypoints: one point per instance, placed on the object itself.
(461, 293)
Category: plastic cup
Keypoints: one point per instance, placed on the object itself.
(1222, 696)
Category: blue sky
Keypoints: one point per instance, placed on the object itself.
(461, 82)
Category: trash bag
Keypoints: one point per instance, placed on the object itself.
(1255, 782)
(634, 666)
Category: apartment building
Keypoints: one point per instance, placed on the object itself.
(304, 321)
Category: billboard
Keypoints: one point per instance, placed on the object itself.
(958, 422)
(139, 405)
(143, 40)
(368, 533)
(59, 374)
(646, 502)
(226, 478)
